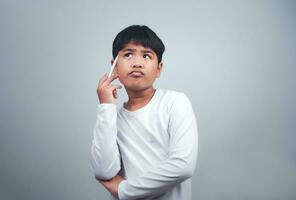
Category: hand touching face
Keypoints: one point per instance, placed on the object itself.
(137, 67)
(107, 93)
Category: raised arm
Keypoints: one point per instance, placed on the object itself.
(181, 163)
(105, 156)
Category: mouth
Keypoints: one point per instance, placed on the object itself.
(136, 73)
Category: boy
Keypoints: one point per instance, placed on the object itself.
(148, 148)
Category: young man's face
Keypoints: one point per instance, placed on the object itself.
(137, 67)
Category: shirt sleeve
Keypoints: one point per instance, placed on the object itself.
(181, 162)
(105, 156)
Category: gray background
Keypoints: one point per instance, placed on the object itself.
(234, 59)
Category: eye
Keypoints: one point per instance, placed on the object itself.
(128, 55)
(147, 56)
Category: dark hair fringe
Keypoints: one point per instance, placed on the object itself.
(138, 34)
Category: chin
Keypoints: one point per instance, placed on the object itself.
(136, 87)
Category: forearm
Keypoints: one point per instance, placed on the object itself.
(181, 162)
(157, 181)
(179, 166)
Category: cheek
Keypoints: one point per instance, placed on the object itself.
(120, 71)
(121, 74)
(122, 67)
(153, 69)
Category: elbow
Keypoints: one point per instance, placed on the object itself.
(105, 174)
(104, 169)
(187, 172)
(186, 168)
(189, 162)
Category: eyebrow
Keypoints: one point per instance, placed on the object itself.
(133, 50)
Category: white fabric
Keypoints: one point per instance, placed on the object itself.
(154, 148)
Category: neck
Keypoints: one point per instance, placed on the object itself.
(138, 99)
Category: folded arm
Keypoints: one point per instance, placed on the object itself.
(181, 162)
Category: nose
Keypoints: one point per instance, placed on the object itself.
(137, 63)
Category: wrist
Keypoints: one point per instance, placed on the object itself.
(105, 101)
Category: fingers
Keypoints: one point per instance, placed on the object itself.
(111, 78)
(103, 79)
(107, 80)
(106, 92)
(114, 90)
(115, 93)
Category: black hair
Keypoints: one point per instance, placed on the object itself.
(138, 34)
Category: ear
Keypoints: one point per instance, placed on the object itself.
(159, 68)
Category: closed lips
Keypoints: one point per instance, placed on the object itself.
(137, 72)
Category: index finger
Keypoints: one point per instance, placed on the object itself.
(110, 79)
(103, 79)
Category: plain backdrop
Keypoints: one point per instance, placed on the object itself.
(235, 60)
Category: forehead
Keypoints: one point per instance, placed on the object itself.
(136, 47)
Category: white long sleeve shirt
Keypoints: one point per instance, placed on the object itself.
(154, 148)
